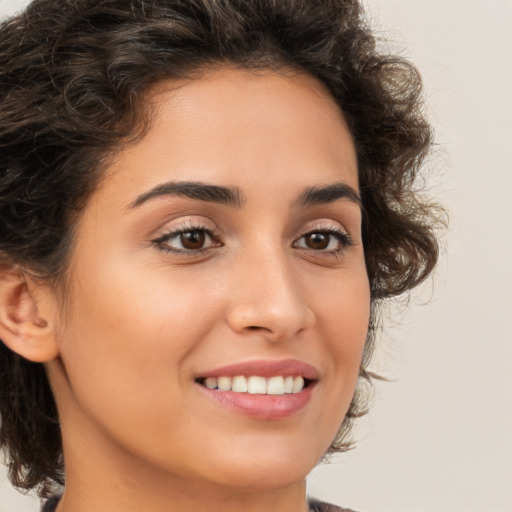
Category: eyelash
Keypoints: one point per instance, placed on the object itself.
(162, 241)
(343, 238)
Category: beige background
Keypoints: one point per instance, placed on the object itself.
(439, 438)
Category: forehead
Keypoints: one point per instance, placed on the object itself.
(240, 128)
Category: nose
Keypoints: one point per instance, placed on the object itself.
(268, 299)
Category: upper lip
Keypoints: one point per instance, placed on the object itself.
(265, 368)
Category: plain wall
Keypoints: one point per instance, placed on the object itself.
(438, 438)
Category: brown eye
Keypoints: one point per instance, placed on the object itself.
(188, 241)
(329, 242)
(193, 240)
(317, 241)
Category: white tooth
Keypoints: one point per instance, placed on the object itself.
(275, 386)
(239, 384)
(257, 385)
(211, 382)
(288, 384)
(298, 384)
(224, 383)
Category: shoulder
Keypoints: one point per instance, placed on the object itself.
(320, 506)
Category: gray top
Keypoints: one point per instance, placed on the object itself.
(320, 506)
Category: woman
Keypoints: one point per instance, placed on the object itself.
(203, 205)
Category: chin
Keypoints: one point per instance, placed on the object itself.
(271, 476)
(264, 470)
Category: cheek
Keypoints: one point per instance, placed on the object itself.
(343, 313)
(129, 335)
(343, 318)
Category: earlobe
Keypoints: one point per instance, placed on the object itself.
(24, 328)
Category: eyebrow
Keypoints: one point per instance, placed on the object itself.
(328, 194)
(229, 196)
(232, 196)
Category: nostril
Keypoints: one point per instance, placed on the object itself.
(258, 328)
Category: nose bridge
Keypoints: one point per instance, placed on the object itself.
(269, 296)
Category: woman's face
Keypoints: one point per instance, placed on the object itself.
(222, 250)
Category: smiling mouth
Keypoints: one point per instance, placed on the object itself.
(257, 385)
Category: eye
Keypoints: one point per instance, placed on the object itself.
(330, 241)
(187, 240)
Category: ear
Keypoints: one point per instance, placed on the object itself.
(26, 325)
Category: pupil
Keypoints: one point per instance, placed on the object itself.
(193, 239)
(317, 241)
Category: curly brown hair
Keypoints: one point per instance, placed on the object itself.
(72, 78)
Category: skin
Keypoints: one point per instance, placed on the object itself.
(142, 321)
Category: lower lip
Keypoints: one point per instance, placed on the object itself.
(264, 407)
